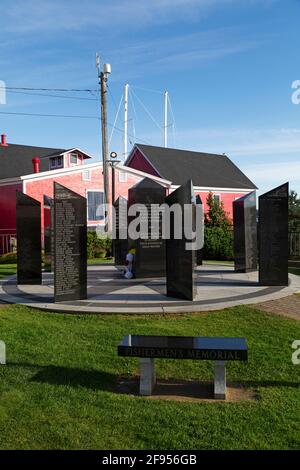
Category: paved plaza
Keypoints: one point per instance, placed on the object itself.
(218, 287)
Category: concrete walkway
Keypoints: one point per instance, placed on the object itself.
(218, 287)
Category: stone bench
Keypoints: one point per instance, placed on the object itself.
(219, 350)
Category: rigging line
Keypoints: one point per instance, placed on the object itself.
(174, 123)
(115, 121)
(52, 96)
(86, 90)
(134, 112)
(49, 115)
(129, 135)
(111, 95)
(147, 89)
(148, 112)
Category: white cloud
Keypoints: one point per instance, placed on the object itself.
(25, 16)
(243, 142)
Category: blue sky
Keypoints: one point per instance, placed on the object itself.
(228, 66)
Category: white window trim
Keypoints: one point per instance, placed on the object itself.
(122, 176)
(72, 154)
(56, 166)
(89, 175)
(98, 222)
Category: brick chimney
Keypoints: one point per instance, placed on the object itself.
(3, 141)
(36, 165)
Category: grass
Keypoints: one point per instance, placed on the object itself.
(7, 270)
(58, 390)
(100, 261)
(294, 271)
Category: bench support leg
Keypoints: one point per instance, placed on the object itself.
(2, 353)
(220, 380)
(147, 376)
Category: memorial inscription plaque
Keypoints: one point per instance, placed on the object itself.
(245, 233)
(48, 232)
(150, 258)
(180, 262)
(120, 244)
(70, 245)
(29, 262)
(273, 237)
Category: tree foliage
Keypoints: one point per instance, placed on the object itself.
(294, 212)
(218, 235)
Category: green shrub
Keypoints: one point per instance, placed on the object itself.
(8, 258)
(98, 246)
(218, 243)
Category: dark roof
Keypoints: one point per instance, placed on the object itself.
(16, 160)
(205, 169)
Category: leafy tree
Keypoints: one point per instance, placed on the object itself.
(216, 215)
(218, 235)
(294, 212)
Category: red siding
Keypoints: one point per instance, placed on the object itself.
(139, 162)
(8, 207)
(226, 198)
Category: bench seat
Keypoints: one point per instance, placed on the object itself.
(218, 349)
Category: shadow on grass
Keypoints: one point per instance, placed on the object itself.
(92, 379)
(105, 381)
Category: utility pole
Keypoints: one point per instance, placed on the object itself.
(166, 119)
(102, 76)
(126, 121)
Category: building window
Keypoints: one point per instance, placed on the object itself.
(95, 203)
(73, 159)
(217, 198)
(122, 177)
(56, 162)
(86, 176)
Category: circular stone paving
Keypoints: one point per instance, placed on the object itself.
(218, 286)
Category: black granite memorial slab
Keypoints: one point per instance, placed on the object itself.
(70, 245)
(180, 261)
(120, 244)
(150, 252)
(245, 233)
(199, 253)
(48, 232)
(184, 347)
(29, 261)
(273, 237)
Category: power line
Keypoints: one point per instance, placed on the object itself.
(52, 96)
(50, 115)
(82, 90)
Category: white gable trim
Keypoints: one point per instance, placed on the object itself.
(145, 157)
(143, 174)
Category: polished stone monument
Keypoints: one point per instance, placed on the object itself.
(199, 253)
(29, 261)
(48, 232)
(245, 233)
(150, 253)
(273, 237)
(180, 261)
(70, 245)
(120, 239)
(217, 349)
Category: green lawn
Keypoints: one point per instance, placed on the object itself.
(294, 271)
(59, 387)
(7, 270)
(100, 261)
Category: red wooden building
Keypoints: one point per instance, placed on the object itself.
(34, 169)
